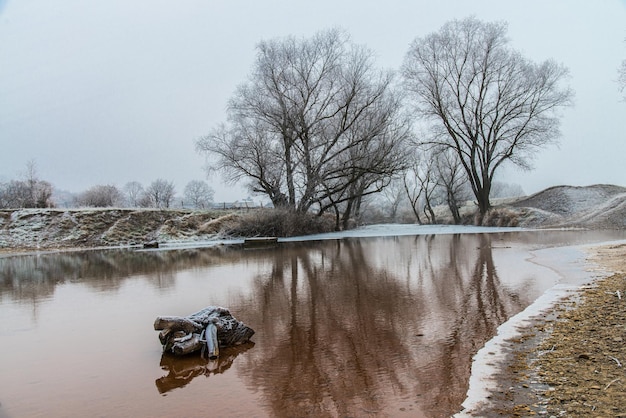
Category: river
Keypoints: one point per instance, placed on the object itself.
(358, 326)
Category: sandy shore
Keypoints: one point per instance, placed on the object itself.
(572, 362)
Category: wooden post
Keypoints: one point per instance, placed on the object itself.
(212, 344)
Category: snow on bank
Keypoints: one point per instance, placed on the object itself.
(393, 230)
(571, 265)
(369, 231)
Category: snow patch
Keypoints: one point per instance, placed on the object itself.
(393, 230)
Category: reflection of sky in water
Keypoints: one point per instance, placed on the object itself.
(371, 324)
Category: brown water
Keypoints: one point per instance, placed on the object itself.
(355, 327)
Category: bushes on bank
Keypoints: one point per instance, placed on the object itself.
(501, 216)
(278, 223)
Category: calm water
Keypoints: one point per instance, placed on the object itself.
(353, 327)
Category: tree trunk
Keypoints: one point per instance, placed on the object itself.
(454, 207)
(483, 200)
(345, 220)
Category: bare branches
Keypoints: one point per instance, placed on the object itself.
(484, 100)
(315, 124)
(198, 194)
(29, 192)
(159, 194)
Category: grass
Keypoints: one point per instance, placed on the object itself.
(279, 223)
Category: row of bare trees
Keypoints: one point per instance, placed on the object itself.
(31, 192)
(159, 194)
(317, 127)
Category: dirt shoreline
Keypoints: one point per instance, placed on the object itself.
(572, 362)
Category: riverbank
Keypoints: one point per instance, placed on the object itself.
(597, 207)
(572, 361)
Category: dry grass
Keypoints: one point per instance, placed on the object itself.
(279, 223)
(217, 225)
(501, 216)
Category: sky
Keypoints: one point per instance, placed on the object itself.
(107, 92)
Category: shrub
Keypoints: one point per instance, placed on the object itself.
(279, 223)
(502, 217)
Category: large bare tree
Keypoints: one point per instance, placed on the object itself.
(315, 124)
(483, 99)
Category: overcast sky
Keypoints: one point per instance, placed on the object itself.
(107, 92)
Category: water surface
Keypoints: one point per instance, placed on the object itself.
(354, 327)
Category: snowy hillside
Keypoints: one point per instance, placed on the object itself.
(599, 206)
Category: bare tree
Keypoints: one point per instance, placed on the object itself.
(393, 196)
(133, 191)
(100, 196)
(198, 194)
(4, 196)
(414, 193)
(315, 124)
(453, 180)
(30, 192)
(421, 186)
(39, 191)
(159, 194)
(483, 99)
(14, 194)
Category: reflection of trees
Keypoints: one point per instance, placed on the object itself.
(34, 277)
(476, 307)
(333, 322)
(340, 333)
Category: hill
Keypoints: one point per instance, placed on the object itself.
(601, 206)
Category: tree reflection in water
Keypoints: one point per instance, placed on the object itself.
(341, 333)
